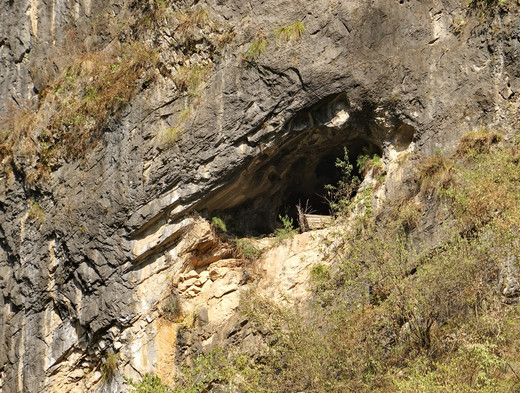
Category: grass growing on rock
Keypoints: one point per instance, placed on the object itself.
(109, 364)
(98, 84)
(256, 48)
(247, 249)
(290, 32)
(94, 88)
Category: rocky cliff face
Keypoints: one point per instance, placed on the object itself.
(88, 255)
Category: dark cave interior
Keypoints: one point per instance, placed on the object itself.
(294, 173)
(296, 169)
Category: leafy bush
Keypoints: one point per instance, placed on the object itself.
(488, 186)
(219, 224)
(339, 196)
(207, 371)
(366, 163)
(287, 231)
(247, 249)
(149, 384)
(320, 275)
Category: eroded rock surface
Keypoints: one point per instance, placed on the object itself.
(84, 258)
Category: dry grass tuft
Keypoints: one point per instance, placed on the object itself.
(436, 172)
(477, 142)
(290, 32)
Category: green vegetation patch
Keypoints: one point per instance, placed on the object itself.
(247, 249)
(256, 48)
(98, 85)
(148, 384)
(218, 223)
(287, 231)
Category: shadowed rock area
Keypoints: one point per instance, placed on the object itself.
(299, 167)
(82, 251)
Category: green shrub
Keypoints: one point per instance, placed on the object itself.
(287, 231)
(365, 163)
(320, 275)
(339, 196)
(211, 370)
(149, 384)
(219, 224)
(472, 369)
(247, 249)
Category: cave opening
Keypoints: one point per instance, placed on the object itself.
(308, 180)
(293, 174)
(298, 166)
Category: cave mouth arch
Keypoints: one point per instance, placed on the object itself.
(297, 168)
(277, 181)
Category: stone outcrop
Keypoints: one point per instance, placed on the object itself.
(89, 258)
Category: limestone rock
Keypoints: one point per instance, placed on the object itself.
(113, 230)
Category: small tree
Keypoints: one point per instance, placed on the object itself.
(339, 196)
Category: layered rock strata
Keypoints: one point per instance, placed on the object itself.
(87, 259)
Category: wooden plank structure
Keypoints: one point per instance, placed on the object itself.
(309, 222)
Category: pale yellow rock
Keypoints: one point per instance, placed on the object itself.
(216, 273)
(224, 309)
(77, 373)
(281, 275)
(191, 274)
(228, 285)
(204, 276)
(187, 284)
(206, 286)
